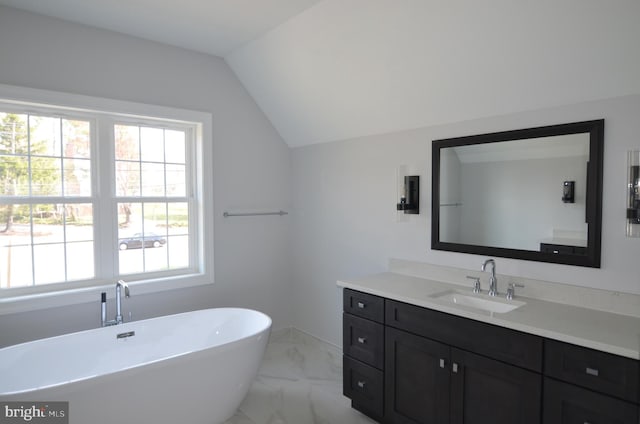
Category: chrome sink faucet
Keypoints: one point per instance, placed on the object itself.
(493, 281)
(118, 319)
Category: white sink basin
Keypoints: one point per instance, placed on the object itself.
(479, 301)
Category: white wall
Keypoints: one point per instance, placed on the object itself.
(251, 164)
(344, 69)
(344, 197)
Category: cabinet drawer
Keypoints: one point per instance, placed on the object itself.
(363, 340)
(364, 305)
(364, 385)
(599, 371)
(514, 347)
(568, 404)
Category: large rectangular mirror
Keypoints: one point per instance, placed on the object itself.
(533, 194)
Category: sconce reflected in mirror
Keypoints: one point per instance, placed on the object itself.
(568, 192)
(633, 196)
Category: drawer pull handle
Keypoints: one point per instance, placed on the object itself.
(455, 367)
(592, 371)
(362, 340)
(361, 384)
(442, 363)
(361, 305)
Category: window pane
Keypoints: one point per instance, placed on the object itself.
(78, 222)
(178, 218)
(49, 263)
(131, 261)
(15, 246)
(13, 134)
(175, 146)
(129, 219)
(48, 223)
(155, 217)
(152, 179)
(45, 135)
(176, 180)
(130, 238)
(155, 236)
(151, 144)
(77, 177)
(46, 176)
(15, 263)
(178, 248)
(156, 258)
(127, 142)
(127, 178)
(80, 261)
(142, 241)
(75, 139)
(14, 175)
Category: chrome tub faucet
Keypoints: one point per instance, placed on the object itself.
(103, 312)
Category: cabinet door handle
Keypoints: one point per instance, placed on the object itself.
(361, 305)
(592, 371)
(442, 363)
(362, 340)
(455, 367)
(361, 384)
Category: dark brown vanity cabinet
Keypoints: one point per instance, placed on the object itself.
(404, 364)
(431, 378)
(587, 386)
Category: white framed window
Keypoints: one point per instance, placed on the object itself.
(95, 190)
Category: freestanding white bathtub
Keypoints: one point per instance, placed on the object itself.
(191, 368)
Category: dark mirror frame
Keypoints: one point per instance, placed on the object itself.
(593, 201)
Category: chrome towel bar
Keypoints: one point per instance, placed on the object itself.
(228, 214)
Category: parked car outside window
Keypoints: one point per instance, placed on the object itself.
(139, 239)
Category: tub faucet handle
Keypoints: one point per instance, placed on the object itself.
(126, 288)
(119, 286)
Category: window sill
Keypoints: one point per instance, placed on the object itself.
(34, 302)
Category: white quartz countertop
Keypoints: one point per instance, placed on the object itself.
(604, 331)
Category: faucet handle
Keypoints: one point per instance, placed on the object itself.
(126, 288)
(476, 283)
(511, 290)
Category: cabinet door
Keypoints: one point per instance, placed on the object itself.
(485, 391)
(568, 404)
(416, 379)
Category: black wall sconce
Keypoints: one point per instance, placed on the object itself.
(568, 191)
(410, 200)
(633, 194)
(633, 209)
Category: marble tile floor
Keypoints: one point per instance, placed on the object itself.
(299, 382)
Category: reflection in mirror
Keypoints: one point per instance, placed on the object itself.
(522, 194)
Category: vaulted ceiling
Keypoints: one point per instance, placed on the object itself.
(326, 70)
